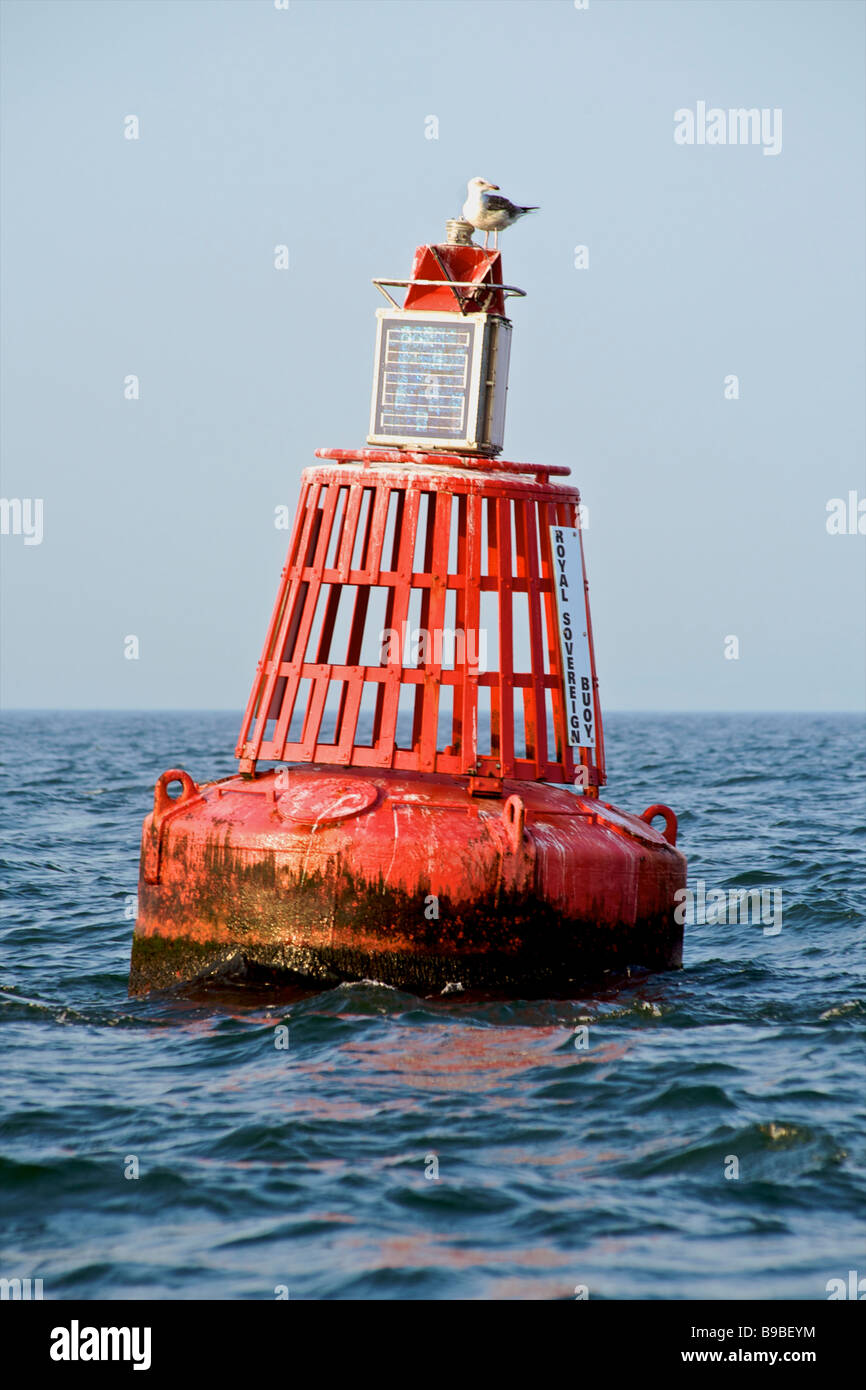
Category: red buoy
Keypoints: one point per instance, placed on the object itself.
(428, 685)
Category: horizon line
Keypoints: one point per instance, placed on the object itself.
(238, 710)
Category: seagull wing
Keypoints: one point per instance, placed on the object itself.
(493, 202)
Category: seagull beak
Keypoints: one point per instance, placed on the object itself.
(493, 185)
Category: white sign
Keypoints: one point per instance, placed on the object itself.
(573, 635)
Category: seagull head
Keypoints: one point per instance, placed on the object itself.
(479, 185)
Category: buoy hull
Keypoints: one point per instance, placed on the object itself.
(318, 875)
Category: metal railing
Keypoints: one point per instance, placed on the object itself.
(488, 290)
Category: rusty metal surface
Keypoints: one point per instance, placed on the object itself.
(437, 460)
(539, 887)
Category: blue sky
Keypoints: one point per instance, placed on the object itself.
(306, 127)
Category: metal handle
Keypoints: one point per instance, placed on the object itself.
(670, 831)
(514, 818)
(162, 802)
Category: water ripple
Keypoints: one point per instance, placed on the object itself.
(691, 1135)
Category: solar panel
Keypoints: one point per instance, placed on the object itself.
(423, 379)
(431, 381)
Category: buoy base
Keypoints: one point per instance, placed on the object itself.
(315, 875)
(590, 958)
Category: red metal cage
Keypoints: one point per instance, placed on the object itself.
(401, 570)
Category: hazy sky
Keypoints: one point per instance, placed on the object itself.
(261, 126)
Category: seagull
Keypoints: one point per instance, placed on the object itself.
(487, 212)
